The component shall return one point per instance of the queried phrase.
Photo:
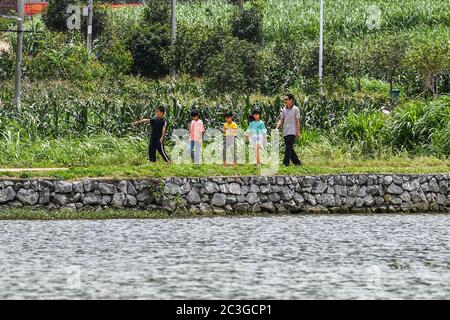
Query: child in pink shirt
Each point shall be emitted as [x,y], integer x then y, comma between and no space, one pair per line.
[196,131]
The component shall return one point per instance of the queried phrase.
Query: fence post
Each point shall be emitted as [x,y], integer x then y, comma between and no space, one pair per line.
[18,79]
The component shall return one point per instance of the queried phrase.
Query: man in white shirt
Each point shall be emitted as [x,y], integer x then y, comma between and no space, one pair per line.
[290,120]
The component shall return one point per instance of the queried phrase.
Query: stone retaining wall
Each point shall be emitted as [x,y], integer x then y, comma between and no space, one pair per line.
[280,194]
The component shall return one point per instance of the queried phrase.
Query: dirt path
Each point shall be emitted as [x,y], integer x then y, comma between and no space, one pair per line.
[31,169]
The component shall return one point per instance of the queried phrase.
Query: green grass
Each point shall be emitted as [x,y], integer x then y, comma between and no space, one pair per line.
[310,167]
[29,214]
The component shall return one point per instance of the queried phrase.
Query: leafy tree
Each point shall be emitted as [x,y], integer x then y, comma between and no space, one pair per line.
[149,46]
[387,56]
[429,57]
[237,68]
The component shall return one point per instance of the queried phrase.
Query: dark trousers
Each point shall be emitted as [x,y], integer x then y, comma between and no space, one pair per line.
[290,154]
[156,146]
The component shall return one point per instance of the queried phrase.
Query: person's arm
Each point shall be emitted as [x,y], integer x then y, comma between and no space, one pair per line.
[297,124]
[142,121]
[280,122]
[163,132]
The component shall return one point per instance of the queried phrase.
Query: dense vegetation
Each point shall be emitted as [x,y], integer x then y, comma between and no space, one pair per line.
[231,59]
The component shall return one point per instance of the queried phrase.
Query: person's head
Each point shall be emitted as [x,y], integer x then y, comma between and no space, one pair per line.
[228,117]
[288,100]
[160,111]
[256,114]
[195,115]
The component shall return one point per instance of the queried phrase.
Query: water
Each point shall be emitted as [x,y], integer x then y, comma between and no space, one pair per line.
[288,257]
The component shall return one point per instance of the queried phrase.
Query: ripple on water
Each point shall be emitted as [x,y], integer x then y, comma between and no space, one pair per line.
[283,257]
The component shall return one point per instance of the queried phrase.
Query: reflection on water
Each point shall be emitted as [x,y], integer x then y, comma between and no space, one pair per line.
[285,257]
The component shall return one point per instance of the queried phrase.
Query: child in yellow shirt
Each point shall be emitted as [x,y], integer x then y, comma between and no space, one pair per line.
[230,130]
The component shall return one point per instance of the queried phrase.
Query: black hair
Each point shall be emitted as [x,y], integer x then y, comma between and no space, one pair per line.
[161,109]
[290,96]
[255,111]
[228,115]
[194,113]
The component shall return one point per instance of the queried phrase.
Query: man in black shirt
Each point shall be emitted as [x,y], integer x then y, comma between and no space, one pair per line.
[159,127]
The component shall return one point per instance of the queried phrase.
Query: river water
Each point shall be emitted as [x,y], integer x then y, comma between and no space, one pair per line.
[282,257]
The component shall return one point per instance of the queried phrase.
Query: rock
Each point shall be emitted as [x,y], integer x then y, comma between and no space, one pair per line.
[252,198]
[264,189]
[421,207]
[350,202]
[254,188]
[205,208]
[281,209]
[63,187]
[321,187]
[185,188]
[170,188]
[387,197]
[231,199]
[89,185]
[359,202]
[396,200]
[378,200]
[211,187]
[374,190]
[341,190]
[7,194]
[131,200]
[434,186]
[91,198]
[244,190]
[394,189]
[362,192]
[123,187]
[223,188]
[326,200]
[106,200]
[69,207]
[44,197]
[388,180]
[310,199]
[274,197]
[28,196]
[143,196]
[368,200]
[298,199]
[78,187]
[268,207]
[290,205]
[405,197]
[77,197]
[441,199]
[256,208]
[234,188]
[309,182]
[219,200]
[61,199]
[193,197]
[242,207]
[417,197]
[280,181]
[397,180]
[412,185]
[119,200]
[106,188]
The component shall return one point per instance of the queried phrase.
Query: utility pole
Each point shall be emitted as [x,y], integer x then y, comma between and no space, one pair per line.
[321,48]
[89,25]
[174,31]
[18,79]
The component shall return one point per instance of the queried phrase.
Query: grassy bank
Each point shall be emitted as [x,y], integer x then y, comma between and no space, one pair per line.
[44,215]
[311,166]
